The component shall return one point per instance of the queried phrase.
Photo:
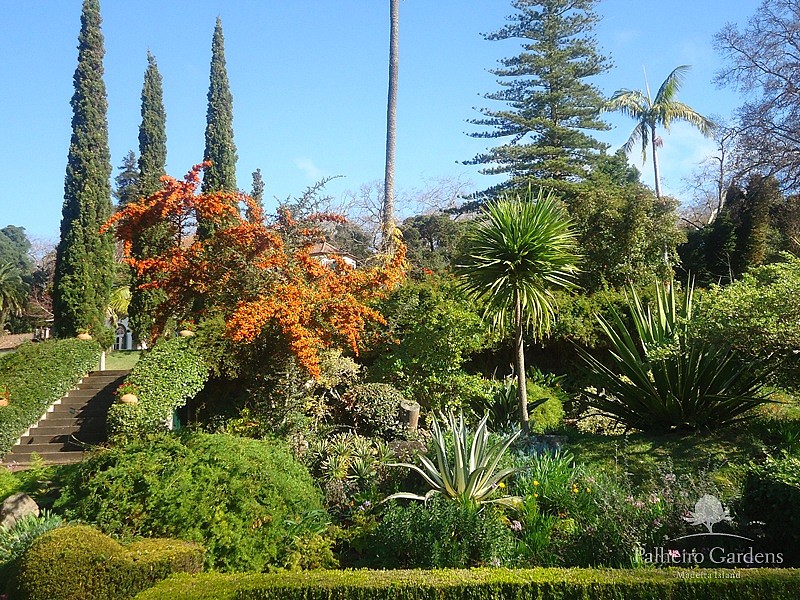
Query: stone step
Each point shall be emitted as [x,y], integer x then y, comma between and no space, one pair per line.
[76,422]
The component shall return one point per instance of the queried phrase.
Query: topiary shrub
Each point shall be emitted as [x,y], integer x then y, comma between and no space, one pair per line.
[35,376]
[166,377]
[80,562]
[236,496]
[374,409]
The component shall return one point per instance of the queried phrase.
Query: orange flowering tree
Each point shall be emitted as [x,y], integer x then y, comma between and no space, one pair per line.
[257,275]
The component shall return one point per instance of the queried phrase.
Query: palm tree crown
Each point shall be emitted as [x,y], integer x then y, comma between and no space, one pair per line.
[517,250]
[659,111]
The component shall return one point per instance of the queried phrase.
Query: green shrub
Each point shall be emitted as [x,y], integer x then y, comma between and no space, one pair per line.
[374,409]
[771,497]
[80,562]
[431,331]
[549,414]
[233,495]
[758,316]
[476,584]
[36,375]
[441,533]
[166,377]
[16,540]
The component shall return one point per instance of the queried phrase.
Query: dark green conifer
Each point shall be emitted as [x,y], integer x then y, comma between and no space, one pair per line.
[220,149]
[152,131]
[84,258]
[152,166]
[126,183]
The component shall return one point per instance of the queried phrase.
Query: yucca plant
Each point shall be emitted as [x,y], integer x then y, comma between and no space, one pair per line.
[661,378]
[471,475]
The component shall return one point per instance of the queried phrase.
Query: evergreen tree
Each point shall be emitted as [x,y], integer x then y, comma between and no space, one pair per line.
[220,149]
[126,183]
[152,131]
[84,258]
[257,190]
[154,240]
[550,106]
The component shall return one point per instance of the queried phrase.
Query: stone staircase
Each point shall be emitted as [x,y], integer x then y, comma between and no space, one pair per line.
[73,423]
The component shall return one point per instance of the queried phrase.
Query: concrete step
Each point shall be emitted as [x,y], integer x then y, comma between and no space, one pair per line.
[62,437]
[50,458]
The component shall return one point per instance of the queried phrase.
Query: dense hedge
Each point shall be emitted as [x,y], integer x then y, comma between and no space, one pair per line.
[166,377]
[246,501]
[36,375]
[78,561]
[478,584]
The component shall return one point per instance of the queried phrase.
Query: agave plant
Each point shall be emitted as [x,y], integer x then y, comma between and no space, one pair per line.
[472,474]
[661,378]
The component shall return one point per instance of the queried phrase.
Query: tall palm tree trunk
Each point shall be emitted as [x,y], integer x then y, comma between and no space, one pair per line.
[655,161]
[387,220]
[519,360]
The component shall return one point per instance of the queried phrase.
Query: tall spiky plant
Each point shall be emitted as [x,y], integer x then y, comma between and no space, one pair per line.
[660,378]
[517,251]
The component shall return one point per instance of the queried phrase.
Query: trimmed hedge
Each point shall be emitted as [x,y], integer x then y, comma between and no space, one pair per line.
[166,377]
[36,375]
[479,584]
[77,561]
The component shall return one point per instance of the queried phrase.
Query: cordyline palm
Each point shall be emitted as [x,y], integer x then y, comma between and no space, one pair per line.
[516,251]
[659,111]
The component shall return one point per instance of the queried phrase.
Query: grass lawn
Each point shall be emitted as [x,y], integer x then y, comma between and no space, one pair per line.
[122,359]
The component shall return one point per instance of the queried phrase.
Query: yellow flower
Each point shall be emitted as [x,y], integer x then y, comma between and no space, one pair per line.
[536,495]
[588,490]
[501,485]
[535,482]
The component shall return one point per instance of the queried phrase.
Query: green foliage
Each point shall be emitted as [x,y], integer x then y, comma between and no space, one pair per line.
[155,239]
[548,411]
[220,148]
[472,475]
[79,562]
[85,258]
[166,377]
[374,409]
[545,409]
[441,534]
[431,241]
[431,332]
[664,379]
[37,375]
[16,540]
[549,106]
[516,252]
[771,497]
[758,317]
[624,233]
[478,584]
[235,496]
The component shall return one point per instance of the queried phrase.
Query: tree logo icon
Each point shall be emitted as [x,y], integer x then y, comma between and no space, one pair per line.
[708,511]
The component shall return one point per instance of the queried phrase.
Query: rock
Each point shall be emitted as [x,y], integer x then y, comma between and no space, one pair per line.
[15,507]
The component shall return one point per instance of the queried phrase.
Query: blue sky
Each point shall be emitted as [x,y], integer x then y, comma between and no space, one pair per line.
[309,83]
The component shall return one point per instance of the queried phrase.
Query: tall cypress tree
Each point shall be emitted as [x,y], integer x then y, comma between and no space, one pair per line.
[550,106]
[152,166]
[84,258]
[220,149]
[152,131]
